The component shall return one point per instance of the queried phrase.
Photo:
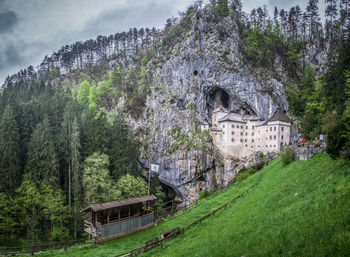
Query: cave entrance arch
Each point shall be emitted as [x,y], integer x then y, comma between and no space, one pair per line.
[218,97]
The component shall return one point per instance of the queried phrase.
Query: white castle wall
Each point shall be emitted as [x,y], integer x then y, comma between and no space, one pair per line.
[241,139]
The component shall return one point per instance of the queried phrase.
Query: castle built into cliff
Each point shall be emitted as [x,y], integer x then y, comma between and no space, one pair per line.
[239,135]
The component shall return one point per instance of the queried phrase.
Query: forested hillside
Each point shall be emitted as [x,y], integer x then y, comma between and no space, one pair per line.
[72,131]
[57,155]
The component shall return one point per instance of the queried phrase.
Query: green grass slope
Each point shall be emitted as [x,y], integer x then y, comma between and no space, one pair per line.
[302,209]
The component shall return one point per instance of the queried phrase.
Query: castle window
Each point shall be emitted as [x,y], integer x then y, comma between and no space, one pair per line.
[215,134]
[267,130]
[241,133]
[233,132]
[274,128]
[252,134]
[282,137]
[246,127]
[223,126]
[246,133]
[270,137]
[270,128]
[270,145]
[252,140]
[274,145]
[246,145]
[246,140]
[258,145]
[241,127]
[266,146]
[241,140]
[223,132]
[274,137]
[282,128]
[259,139]
[253,127]
[233,140]
[233,126]
[251,146]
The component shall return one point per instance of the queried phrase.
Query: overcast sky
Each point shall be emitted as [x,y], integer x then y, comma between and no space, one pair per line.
[31,29]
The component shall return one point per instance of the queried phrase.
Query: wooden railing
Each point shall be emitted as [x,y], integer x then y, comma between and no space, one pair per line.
[31,249]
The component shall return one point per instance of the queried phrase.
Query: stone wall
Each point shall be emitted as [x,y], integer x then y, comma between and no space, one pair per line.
[303,153]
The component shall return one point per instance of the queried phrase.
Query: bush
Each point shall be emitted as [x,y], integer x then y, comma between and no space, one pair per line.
[242,175]
[204,194]
[287,156]
[258,166]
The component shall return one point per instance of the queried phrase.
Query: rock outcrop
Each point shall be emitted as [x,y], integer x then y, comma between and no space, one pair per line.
[204,71]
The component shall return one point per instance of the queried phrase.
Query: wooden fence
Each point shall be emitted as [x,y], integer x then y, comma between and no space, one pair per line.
[177,231]
[31,249]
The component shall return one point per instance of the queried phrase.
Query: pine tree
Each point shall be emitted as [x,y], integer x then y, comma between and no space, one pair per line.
[275,16]
[42,162]
[10,167]
[122,149]
[76,171]
[236,7]
[331,14]
[314,19]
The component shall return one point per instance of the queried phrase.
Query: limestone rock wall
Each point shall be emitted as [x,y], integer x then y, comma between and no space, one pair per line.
[200,75]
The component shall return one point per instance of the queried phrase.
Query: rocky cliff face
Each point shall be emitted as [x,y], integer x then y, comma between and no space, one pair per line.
[204,71]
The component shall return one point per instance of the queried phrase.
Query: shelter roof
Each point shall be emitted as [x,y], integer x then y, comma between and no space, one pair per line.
[114,204]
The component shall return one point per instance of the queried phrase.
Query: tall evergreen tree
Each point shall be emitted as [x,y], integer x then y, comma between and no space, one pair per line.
[42,162]
[314,19]
[10,167]
[331,14]
[76,171]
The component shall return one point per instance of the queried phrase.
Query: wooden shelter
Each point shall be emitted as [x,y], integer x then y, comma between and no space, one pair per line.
[118,218]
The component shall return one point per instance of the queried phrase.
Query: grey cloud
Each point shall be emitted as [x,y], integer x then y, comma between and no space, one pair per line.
[11,56]
[7,21]
[282,3]
[112,21]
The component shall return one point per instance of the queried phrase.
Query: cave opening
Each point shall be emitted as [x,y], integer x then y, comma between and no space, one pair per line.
[218,97]
[225,99]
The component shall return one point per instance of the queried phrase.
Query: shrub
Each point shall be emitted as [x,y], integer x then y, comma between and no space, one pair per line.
[204,194]
[242,175]
[258,166]
[287,156]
